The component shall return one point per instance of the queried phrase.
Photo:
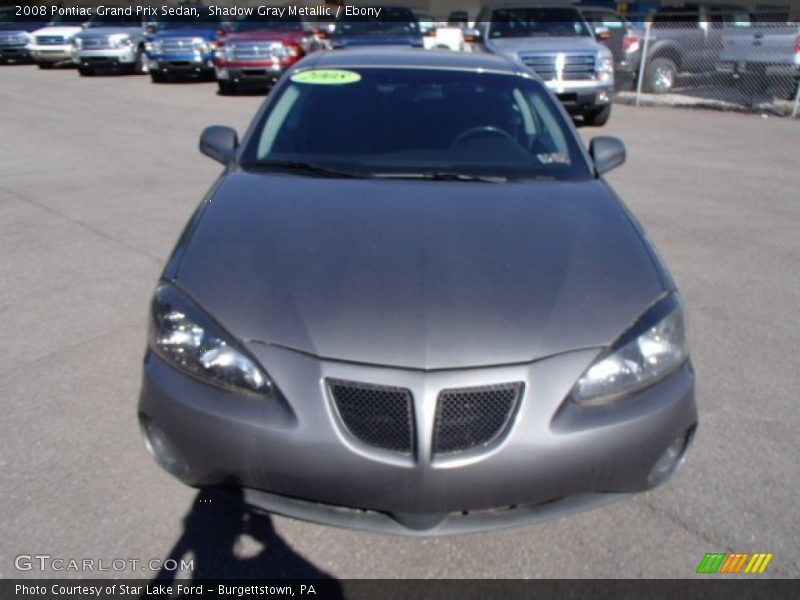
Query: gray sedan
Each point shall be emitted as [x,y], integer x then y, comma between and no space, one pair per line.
[411,303]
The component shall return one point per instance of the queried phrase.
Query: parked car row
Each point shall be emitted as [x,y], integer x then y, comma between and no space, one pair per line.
[578,61]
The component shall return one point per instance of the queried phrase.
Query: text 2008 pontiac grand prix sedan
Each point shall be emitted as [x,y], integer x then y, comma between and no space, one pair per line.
[412,304]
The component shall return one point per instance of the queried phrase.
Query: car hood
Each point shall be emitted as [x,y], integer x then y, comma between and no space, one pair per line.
[108,31]
[264,34]
[512,46]
[62,31]
[377,39]
[420,275]
[188,32]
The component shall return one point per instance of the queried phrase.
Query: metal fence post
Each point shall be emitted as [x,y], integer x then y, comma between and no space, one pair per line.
[643,61]
[796,108]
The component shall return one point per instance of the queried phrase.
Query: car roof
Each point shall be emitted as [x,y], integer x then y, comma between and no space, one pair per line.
[413,58]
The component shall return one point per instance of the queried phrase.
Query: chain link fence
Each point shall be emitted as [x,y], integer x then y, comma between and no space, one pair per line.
[725,60]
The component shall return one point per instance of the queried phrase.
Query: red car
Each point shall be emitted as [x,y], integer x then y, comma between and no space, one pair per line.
[256,50]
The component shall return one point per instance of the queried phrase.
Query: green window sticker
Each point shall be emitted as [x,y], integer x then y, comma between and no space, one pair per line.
[326,77]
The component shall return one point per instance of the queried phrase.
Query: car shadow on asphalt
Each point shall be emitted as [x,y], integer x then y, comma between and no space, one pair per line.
[226,540]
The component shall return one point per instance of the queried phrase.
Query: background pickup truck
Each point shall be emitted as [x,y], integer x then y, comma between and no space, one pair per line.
[396,26]
[15,35]
[686,38]
[111,43]
[52,45]
[258,50]
[762,48]
[556,43]
[182,46]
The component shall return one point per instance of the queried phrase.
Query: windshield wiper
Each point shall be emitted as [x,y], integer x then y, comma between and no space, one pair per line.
[295,165]
[444,176]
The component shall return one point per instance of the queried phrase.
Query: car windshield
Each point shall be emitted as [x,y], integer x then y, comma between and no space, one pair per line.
[256,22]
[69,19]
[533,22]
[392,21]
[187,21]
[114,21]
[425,123]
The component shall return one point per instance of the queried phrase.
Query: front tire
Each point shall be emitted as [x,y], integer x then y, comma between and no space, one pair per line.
[157,77]
[597,117]
[660,75]
[44,65]
[226,88]
[85,71]
[140,64]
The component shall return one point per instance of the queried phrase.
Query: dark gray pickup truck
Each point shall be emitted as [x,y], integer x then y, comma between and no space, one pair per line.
[686,38]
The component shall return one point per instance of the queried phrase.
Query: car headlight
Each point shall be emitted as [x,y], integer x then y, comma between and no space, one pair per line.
[77,43]
[652,348]
[606,68]
[200,46]
[121,40]
[153,47]
[189,339]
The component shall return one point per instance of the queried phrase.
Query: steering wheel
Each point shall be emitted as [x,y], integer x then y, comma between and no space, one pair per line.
[481,129]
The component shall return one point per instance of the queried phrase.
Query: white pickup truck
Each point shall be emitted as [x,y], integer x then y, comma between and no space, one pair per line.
[762,48]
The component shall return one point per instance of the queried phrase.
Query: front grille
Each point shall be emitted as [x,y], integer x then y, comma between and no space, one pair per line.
[377,415]
[576,67]
[256,50]
[50,40]
[176,46]
[96,43]
[14,39]
[468,418]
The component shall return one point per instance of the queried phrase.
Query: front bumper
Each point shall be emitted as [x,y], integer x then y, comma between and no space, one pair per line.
[188,64]
[15,53]
[52,54]
[252,75]
[579,96]
[105,59]
[294,457]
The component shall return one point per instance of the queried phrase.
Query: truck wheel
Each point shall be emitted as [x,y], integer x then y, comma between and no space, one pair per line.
[157,77]
[659,75]
[597,117]
[226,88]
[140,65]
[85,71]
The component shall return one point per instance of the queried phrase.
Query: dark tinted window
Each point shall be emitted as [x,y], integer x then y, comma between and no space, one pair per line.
[412,121]
[255,22]
[392,20]
[530,22]
[186,21]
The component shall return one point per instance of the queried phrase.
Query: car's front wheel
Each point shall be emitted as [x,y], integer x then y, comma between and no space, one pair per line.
[597,117]
[140,64]
[226,88]
[157,77]
[85,71]
[660,75]
[45,65]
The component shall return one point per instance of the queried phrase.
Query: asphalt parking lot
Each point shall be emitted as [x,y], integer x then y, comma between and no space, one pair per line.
[98,177]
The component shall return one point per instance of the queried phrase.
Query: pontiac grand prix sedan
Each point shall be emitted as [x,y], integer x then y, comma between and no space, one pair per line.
[412,304]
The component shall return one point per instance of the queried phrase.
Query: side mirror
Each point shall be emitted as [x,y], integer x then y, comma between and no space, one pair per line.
[219,143]
[473,36]
[602,33]
[607,153]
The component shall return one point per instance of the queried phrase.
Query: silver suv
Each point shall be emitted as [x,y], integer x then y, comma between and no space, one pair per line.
[111,43]
[558,44]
